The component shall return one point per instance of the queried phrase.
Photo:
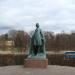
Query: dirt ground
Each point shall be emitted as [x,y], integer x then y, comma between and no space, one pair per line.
[51,70]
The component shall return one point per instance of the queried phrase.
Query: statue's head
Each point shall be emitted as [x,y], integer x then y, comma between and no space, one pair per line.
[37,25]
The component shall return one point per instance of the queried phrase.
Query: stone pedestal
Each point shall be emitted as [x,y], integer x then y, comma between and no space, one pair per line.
[35,63]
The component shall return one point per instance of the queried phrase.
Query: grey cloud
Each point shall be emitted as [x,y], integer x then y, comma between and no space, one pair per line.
[51,14]
[6,27]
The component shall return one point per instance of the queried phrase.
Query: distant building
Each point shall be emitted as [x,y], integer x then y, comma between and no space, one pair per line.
[9,43]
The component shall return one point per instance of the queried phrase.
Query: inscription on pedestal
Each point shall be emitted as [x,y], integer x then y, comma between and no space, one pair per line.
[35,63]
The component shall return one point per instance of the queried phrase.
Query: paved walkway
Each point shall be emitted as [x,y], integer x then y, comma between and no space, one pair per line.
[51,70]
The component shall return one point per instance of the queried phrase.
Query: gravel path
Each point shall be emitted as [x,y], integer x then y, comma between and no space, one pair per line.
[51,70]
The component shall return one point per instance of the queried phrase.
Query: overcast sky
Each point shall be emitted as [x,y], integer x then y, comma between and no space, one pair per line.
[52,15]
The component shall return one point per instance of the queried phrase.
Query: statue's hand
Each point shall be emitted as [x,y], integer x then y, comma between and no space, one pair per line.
[42,41]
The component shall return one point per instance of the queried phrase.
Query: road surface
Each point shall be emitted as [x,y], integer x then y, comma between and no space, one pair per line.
[51,70]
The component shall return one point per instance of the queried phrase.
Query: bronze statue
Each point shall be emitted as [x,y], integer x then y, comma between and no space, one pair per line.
[37,44]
